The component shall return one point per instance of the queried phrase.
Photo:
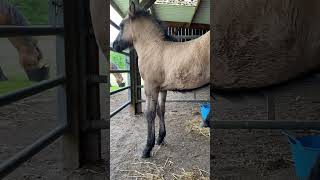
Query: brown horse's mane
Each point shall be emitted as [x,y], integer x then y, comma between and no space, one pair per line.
[16,18]
[158,23]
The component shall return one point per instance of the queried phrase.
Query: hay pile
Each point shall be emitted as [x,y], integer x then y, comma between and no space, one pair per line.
[151,171]
[193,126]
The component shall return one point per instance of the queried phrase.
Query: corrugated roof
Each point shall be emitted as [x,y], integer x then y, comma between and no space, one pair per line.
[185,11]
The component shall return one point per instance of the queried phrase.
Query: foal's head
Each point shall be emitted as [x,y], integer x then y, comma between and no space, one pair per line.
[138,24]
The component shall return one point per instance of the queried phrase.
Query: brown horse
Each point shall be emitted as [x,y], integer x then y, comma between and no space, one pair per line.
[29,51]
[164,65]
[30,54]
[118,76]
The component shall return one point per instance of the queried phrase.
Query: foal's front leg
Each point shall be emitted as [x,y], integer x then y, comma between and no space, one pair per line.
[160,111]
[150,112]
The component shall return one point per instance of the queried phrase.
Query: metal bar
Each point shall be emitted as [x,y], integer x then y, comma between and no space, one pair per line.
[119,90]
[26,92]
[141,86]
[120,108]
[6,31]
[124,53]
[271,107]
[119,71]
[14,162]
[186,36]
[178,100]
[265,124]
[114,25]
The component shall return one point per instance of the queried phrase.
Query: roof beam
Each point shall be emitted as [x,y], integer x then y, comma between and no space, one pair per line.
[153,11]
[116,7]
[195,12]
[146,4]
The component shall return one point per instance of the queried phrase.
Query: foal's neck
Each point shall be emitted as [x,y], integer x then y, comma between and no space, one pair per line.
[148,44]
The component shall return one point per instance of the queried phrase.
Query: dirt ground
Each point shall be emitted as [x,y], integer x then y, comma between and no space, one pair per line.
[186,150]
[261,154]
[23,122]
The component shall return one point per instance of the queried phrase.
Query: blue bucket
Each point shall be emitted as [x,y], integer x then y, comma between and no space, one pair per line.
[305,151]
[204,109]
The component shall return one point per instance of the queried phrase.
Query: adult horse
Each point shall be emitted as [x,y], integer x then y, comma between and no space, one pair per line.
[30,54]
[164,65]
[258,44]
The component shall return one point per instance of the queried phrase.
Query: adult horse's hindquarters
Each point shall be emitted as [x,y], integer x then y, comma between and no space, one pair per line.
[258,43]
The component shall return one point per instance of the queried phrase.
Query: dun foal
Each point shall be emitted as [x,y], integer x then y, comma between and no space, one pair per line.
[164,65]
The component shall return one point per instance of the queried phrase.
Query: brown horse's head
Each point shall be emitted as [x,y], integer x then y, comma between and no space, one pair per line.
[30,55]
[32,61]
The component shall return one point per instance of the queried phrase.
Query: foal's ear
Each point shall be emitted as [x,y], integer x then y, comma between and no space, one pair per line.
[132,9]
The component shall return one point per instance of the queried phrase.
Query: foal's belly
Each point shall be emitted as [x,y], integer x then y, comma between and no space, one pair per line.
[185,81]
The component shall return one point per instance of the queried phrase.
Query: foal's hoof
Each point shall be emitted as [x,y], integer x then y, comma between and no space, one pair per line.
[160,141]
[146,154]
[38,74]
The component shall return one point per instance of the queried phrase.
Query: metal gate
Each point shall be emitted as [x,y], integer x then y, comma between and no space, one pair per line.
[78,87]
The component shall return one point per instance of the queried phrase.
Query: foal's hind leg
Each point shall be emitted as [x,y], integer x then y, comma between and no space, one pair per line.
[150,112]
[160,111]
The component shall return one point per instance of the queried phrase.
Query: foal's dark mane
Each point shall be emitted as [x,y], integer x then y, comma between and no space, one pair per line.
[158,23]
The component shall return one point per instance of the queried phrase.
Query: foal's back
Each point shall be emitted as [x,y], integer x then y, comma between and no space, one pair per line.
[186,64]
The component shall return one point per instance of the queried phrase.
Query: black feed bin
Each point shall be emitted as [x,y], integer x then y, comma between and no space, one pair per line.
[38,74]
[3,77]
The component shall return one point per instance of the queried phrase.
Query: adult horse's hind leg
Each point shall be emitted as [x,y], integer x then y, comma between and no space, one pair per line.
[160,111]
[150,112]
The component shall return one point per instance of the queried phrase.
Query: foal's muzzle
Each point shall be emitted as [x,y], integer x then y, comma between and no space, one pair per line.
[116,46]
[120,45]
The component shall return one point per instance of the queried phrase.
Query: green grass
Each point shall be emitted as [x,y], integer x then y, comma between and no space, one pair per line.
[13,85]
[35,11]
[118,59]
[113,88]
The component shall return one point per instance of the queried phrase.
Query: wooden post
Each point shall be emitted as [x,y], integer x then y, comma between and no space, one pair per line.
[135,80]
[78,101]
[68,97]
[133,84]
[271,107]
[91,139]
[138,109]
